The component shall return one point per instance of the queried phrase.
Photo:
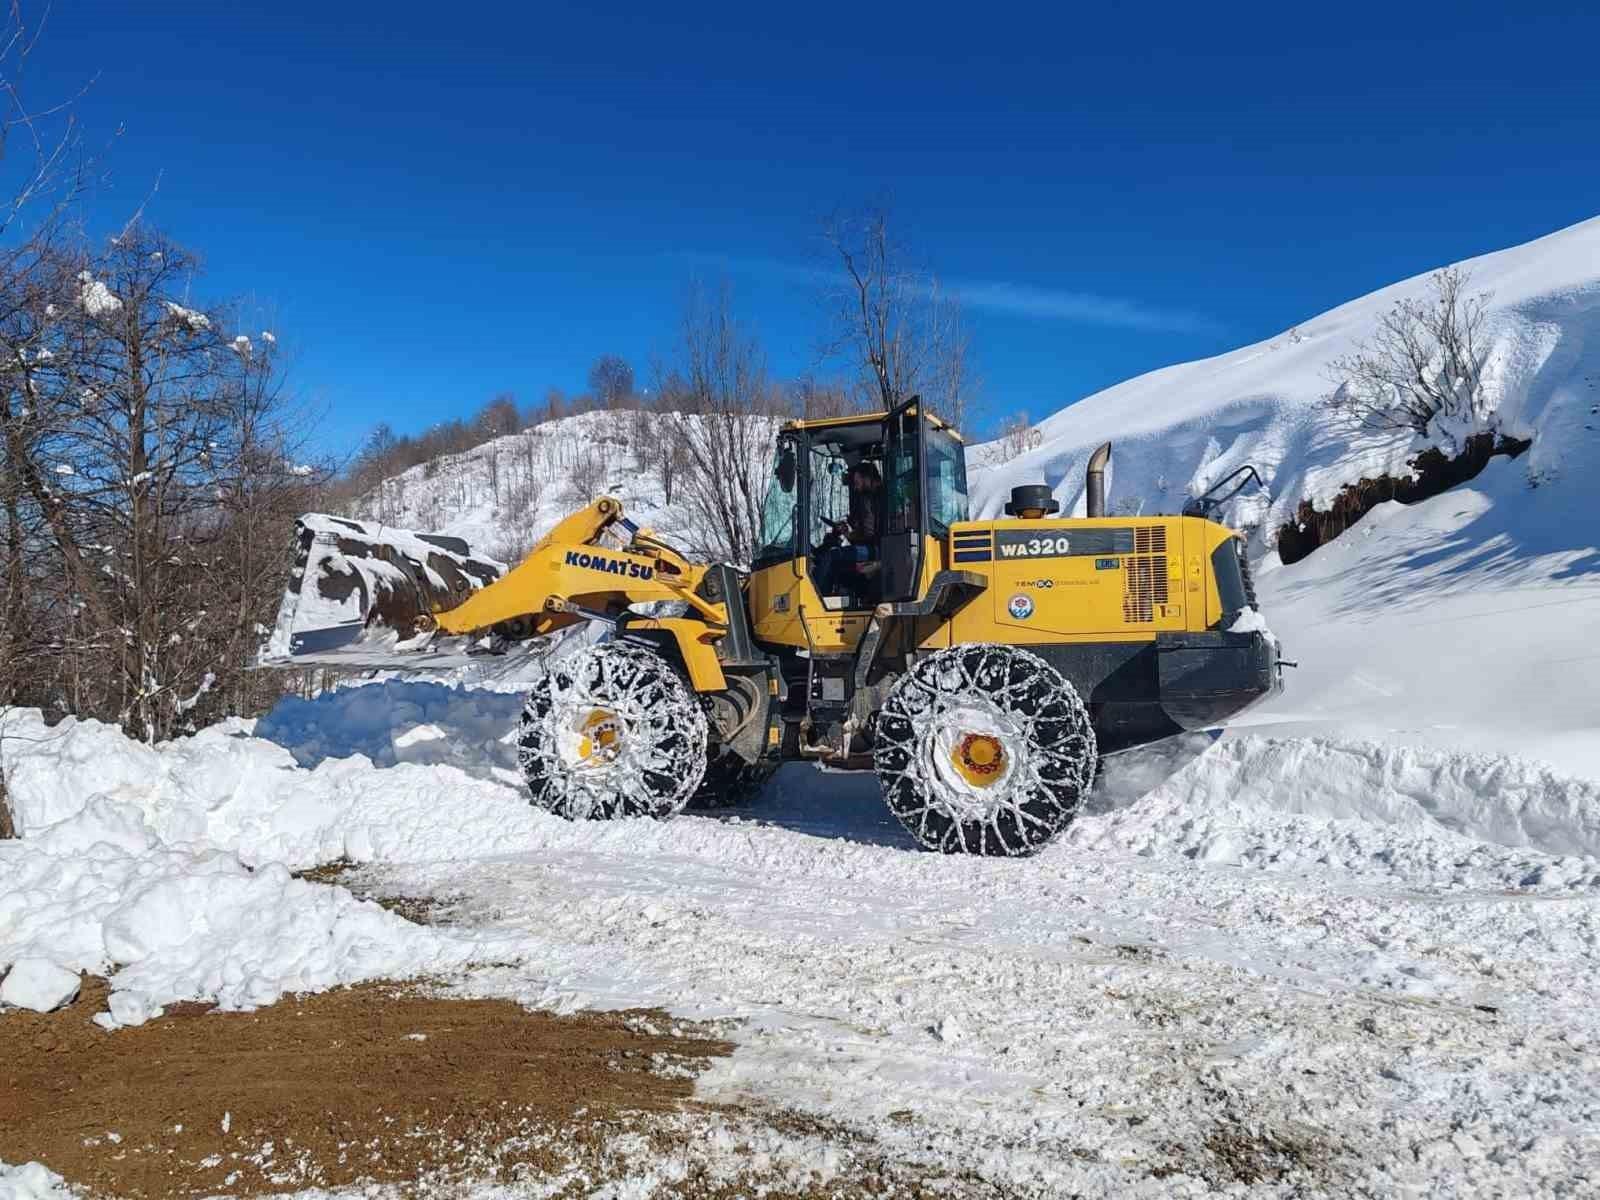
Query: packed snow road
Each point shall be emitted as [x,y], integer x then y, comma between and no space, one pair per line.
[1293,967]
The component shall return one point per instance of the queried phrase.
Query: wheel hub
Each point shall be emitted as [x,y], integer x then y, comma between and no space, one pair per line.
[980,758]
[973,755]
[599,737]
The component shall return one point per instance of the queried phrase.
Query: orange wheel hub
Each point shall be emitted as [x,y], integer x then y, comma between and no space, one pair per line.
[980,758]
[600,736]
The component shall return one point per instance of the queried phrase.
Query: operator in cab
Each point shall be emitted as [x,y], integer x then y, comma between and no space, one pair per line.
[850,551]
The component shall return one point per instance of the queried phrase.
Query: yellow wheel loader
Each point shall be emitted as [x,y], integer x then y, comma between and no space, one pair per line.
[980,667]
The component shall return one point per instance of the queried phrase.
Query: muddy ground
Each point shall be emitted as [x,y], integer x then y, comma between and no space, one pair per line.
[384,1084]
[367,1083]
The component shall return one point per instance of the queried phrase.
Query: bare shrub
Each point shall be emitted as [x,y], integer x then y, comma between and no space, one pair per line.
[1423,365]
[1016,437]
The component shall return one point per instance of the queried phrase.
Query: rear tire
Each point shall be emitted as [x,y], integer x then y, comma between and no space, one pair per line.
[984,750]
[612,731]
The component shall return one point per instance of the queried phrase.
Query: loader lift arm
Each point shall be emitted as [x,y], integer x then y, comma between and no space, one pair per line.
[569,571]
[363,596]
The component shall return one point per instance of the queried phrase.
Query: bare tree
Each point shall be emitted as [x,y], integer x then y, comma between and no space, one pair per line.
[721,412]
[1423,365]
[152,452]
[903,334]
[611,381]
[499,417]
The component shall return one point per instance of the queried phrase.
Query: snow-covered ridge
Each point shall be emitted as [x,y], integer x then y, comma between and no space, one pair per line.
[503,495]
[1179,430]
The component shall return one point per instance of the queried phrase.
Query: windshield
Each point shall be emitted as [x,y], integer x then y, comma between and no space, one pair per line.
[947,481]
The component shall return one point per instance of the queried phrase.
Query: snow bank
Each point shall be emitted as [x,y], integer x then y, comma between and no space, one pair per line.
[1363,808]
[1466,622]
[32,1181]
[166,868]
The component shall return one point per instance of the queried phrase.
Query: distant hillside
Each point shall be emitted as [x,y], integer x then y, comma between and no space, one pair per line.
[503,495]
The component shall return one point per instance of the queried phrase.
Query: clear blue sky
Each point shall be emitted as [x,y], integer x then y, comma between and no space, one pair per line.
[434,203]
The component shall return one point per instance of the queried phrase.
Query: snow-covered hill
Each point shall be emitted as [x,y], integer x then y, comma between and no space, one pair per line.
[1180,429]
[504,494]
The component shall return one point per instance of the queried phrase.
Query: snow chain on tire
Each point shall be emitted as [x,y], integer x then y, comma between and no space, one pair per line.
[612,731]
[984,750]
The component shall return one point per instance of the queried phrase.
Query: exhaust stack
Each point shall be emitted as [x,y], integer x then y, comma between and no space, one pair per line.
[1095,482]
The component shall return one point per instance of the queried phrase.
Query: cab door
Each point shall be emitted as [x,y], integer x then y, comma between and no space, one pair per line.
[904,493]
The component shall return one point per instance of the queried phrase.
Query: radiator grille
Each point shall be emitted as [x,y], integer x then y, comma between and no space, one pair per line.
[1144,575]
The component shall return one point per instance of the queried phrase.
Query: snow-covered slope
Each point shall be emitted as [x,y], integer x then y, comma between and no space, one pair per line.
[503,495]
[1180,429]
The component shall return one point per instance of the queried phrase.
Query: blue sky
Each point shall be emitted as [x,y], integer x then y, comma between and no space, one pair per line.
[433,205]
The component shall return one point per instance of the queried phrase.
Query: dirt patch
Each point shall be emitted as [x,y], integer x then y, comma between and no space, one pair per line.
[1246,1156]
[1432,474]
[419,910]
[367,1083]
[329,872]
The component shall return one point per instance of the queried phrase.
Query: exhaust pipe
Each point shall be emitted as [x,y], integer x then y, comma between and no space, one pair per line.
[1095,482]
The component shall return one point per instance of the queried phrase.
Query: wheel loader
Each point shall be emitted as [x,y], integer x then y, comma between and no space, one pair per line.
[981,668]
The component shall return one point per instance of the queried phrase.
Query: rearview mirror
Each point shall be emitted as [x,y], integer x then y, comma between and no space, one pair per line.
[786,468]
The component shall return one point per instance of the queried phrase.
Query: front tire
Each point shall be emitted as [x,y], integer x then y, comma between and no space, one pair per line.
[612,731]
[984,750]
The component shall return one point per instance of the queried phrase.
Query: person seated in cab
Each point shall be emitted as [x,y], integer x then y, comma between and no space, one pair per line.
[849,553]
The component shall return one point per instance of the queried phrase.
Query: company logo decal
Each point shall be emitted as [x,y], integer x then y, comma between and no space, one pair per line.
[612,566]
[1020,607]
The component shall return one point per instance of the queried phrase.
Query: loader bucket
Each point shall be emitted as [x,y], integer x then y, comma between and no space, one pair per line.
[357,590]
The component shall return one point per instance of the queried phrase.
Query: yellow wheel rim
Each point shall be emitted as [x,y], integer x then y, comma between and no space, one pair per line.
[600,736]
[980,758]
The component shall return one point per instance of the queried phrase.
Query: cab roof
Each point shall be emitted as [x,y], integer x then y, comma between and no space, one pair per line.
[865,419]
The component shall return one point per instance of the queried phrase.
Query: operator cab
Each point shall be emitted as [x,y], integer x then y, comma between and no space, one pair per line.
[854,497]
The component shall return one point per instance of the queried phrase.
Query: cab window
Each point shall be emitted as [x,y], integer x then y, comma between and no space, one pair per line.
[947,481]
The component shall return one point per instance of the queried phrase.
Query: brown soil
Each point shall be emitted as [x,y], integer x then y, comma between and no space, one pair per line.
[367,1083]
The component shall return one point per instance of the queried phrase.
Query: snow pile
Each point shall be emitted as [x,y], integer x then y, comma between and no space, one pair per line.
[31,1181]
[165,869]
[1366,808]
[39,984]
